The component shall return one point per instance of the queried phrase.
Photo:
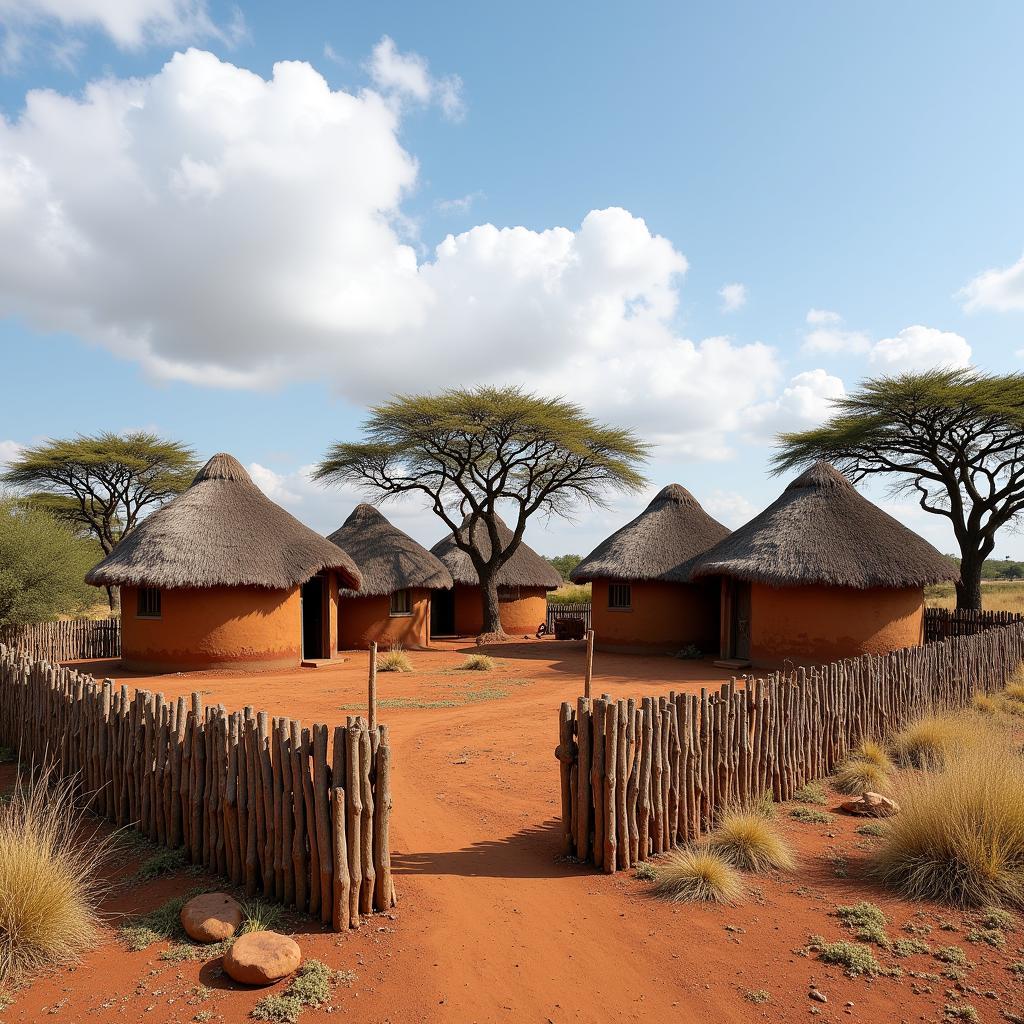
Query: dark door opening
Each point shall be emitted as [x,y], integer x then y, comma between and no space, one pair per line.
[442,613]
[313,592]
[739,620]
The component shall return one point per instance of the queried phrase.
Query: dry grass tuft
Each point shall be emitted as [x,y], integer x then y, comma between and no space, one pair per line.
[1015,692]
[857,777]
[873,753]
[477,663]
[395,660]
[749,841]
[929,742]
[48,880]
[960,835]
[698,875]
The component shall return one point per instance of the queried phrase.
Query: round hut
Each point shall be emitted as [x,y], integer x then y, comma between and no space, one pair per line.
[821,574]
[399,576]
[642,597]
[523,583]
[222,578]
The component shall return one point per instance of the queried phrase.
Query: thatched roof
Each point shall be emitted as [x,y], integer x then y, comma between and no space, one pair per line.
[524,569]
[659,544]
[388,559]
[222,532]
[822,531]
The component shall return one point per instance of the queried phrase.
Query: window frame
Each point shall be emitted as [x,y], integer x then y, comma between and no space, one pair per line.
[142,606]
[619,589]
[400,613]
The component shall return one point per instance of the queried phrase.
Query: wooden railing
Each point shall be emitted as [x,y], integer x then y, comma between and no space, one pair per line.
[576,610]
[71,640]
[942,623]
[640,779]
[268,804]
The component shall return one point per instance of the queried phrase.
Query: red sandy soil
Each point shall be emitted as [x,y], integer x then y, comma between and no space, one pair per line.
[491,925]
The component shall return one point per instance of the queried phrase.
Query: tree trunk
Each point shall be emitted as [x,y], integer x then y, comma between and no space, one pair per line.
[114,599]
[968,590]
[491,606]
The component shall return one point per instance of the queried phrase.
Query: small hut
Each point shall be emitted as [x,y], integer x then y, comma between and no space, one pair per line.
[642,598]
[523,583]
[821,574]
[222,578]
[399,577]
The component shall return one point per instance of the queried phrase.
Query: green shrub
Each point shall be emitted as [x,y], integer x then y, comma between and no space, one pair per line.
[312,986]
[812,793]
[855,958]
[811,816]
[867,921]
[645,871]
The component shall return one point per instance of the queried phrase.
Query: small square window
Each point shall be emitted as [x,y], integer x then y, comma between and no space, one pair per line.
[400,603]
[508,594]
[620,596]
[149,603]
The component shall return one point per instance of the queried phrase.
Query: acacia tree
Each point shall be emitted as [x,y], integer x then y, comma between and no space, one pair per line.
[102,485]
[952,438]
[470,450]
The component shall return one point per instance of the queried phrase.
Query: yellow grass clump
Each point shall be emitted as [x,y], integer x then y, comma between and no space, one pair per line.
[477,663]
[960,835]
[394,661]
[874,753]
[698,875]
[857,777]
[48,880]
[748,840]
[928,742]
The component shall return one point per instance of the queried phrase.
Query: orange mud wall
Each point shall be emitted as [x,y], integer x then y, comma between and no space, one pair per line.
[362,619]
[663,617]
[213,628]
[819,623]
[522,615]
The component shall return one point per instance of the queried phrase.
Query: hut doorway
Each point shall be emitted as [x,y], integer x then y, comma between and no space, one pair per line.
[737,620]
[314,597]
[442,613]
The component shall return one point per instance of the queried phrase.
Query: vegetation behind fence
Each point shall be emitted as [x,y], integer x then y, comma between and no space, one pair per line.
[640,780]
[70,640]
[252,798]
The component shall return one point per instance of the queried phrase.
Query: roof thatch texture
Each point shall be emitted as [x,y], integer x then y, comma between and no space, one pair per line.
[222,532]
[388,559]
[820,530]
[659,544]
[524,569]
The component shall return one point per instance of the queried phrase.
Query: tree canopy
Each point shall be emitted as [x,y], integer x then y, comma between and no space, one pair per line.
[565,564]
[471,452]
[954,439]
[42,566]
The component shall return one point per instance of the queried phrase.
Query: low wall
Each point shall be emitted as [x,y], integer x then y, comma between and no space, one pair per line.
[262,801]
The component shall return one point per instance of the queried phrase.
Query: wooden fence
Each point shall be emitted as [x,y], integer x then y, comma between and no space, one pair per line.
[73,640]
[576,610]
[638,780]
[942,623]
[264,802]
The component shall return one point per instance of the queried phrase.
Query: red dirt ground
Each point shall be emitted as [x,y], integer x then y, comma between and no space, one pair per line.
[491,926]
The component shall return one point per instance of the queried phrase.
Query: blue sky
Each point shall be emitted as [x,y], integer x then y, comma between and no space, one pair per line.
[243,258]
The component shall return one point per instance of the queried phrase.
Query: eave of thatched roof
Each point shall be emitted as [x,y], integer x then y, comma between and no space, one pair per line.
[222,532]
[659,544]
[387,558]
[524,569]
[820,530]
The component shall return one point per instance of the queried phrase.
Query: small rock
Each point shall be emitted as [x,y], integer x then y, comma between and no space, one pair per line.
[818,996]
[871,805]
[261,958]
[211,917]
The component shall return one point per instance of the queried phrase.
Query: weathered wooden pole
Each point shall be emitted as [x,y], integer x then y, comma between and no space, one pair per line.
[372,699]
[589,670]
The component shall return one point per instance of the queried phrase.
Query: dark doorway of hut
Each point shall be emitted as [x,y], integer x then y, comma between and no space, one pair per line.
[314,597]
[735,621]
[442,613]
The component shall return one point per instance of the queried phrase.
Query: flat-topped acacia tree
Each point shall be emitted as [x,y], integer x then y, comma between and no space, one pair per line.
[952,438]
[470,451]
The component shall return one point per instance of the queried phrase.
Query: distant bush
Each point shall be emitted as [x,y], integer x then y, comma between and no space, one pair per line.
[571,593]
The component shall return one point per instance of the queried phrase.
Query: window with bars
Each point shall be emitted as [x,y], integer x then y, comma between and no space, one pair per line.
[508,594]
[149,603]
[620,596]
[400,603]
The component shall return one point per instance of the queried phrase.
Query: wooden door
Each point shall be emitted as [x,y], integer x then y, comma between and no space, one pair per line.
[740,631]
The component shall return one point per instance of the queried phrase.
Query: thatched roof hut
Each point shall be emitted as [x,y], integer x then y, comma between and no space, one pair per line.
[659,544]
[821,531]
[388,559]
[524,569]
[222,532]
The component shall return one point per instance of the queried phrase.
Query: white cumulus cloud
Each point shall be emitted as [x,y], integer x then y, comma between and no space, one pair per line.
[919,348]
[9,451]
[806,401]
[234,231]
[827,334]
[733,296]
[407,76]
[999,289]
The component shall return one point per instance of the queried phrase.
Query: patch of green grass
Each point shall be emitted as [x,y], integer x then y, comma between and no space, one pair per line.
[165,862]
[909,947]
[1016,969]
[260,916]
[871,828]
[203,1016]
[810,816]
[960,1011]
[990,936]
[812,793]
[391,703]
[952,955]
[867,921]
[488,693]
[312,986]
[854,957]
[645,871]
[158,925]
[996,917]
[195,952]
[759,996]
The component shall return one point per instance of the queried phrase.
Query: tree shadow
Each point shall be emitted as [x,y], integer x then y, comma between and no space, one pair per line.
[532,852]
